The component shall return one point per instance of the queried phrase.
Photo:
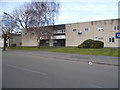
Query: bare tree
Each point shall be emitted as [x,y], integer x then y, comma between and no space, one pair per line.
[7,24]
[48,12]
[37,14]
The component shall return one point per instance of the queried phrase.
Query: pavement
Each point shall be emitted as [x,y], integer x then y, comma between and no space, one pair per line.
[38,69]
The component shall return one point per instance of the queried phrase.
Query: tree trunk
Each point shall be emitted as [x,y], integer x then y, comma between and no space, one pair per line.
[9,42]
[5,39]
[39,43]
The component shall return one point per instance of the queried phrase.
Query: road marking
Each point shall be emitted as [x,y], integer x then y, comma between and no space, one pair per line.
[95,86]
[25,69]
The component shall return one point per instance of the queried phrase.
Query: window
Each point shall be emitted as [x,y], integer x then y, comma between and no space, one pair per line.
[86,29]
[96,38]
[101,28]
[59,31]
[116,27]
[55,31]
[63,31]
[109,39]
[55,41]
[112,39]
[100,38]
[74,30]
[33,33]
[47,41]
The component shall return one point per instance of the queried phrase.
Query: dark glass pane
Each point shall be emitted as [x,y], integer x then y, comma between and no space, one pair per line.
[74,30]
[113,40]
[109,39]
[114,27]
[117,27]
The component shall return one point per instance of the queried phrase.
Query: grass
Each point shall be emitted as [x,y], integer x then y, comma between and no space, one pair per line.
[31,48]
[103,51]
[74,50]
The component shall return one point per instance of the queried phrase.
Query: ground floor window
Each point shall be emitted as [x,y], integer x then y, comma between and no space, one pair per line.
[59,42]
[109,39]
[112,39]
[44,42]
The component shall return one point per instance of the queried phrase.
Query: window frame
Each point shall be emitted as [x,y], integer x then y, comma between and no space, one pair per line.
[111,40]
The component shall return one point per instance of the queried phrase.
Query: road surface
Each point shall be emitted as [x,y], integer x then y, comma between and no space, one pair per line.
[37,69]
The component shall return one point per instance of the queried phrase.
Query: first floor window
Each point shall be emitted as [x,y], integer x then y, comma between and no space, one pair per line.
[116,28]
[74,30]
[86,29]
[101,28]
[63,31]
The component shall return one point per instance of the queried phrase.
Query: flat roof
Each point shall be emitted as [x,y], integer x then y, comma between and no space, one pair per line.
[94,21]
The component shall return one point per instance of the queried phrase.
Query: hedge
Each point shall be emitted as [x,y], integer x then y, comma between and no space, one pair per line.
[89,43]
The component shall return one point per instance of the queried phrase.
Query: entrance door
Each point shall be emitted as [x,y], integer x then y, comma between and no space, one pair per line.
[59,43]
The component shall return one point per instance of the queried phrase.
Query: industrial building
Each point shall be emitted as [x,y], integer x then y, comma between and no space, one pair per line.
[74,34]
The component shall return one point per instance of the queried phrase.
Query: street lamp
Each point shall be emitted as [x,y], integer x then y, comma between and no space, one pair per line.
[7,14]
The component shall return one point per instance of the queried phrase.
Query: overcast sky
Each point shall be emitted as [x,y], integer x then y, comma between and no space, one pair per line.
[73,11]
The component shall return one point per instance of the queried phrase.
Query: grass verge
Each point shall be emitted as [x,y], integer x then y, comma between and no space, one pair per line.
[74,50]
[31,48]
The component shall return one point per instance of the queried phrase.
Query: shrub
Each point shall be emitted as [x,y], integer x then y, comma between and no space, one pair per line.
[13,45]
[89,43]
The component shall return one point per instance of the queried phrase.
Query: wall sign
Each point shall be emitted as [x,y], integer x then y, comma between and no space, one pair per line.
[80,32]
[118,35]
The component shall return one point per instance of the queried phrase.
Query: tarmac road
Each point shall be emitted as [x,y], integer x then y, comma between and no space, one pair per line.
[37,69]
